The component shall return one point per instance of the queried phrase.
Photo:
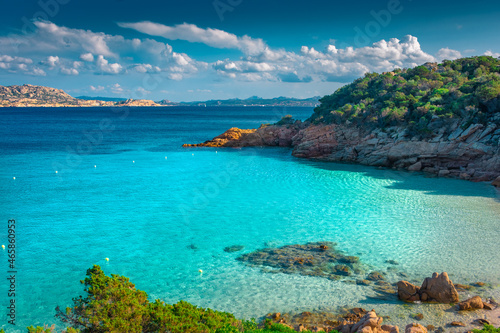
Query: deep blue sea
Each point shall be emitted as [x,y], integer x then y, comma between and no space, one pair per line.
[88,184]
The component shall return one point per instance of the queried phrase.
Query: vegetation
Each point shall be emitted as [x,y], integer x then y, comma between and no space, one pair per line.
[113,304]
[465,89]
[488,329]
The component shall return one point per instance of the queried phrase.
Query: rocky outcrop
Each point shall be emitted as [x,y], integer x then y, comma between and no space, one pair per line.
[456,151]
[437,288]
[264,136]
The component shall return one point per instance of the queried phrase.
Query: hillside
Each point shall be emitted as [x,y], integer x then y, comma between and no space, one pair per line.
[30,94]
[443,119]
[425,98]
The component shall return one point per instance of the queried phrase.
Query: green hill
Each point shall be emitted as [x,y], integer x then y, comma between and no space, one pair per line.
[465,89]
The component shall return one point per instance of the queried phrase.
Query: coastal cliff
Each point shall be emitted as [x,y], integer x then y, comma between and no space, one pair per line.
[442,119]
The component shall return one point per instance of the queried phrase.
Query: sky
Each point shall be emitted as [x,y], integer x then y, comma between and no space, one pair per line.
[187,50]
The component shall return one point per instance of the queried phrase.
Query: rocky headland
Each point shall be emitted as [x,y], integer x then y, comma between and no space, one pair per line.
[435,118]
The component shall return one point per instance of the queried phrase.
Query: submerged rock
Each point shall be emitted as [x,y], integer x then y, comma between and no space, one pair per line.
[375,276]
[415,328]
[312,259]
[234,248]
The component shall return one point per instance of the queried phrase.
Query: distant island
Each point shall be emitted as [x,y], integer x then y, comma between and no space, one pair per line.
[38,96]
[442,119]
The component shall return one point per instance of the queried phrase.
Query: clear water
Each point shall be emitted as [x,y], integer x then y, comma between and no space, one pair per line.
[140,199]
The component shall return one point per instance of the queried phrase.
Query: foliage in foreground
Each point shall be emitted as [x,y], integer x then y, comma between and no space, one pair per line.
[488,329]
[113,304]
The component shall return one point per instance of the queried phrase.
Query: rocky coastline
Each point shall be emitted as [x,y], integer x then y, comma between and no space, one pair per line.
[457,150]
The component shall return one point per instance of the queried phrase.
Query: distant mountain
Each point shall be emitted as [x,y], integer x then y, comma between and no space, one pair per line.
[106,99]
[258,101]
[29,95]
[34,94]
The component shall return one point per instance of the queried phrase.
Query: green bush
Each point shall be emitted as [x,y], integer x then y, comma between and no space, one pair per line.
[487,329]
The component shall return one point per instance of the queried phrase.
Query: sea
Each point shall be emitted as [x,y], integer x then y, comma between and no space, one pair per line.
[114,187]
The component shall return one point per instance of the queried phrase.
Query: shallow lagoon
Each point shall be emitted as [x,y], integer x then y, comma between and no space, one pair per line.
[141,200]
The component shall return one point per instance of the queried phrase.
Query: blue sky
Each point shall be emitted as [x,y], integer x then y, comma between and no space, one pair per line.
[207,49]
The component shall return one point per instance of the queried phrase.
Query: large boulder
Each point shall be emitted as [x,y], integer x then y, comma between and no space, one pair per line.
[408,292]
[437,288]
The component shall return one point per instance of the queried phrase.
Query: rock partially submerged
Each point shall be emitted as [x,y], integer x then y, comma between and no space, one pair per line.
[234,248]
[437,288]
[475,303]
[312,259]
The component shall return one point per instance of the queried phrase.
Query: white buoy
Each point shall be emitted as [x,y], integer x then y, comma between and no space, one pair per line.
[3,247]
[192,154]
[216,151]
[57,171]
[165,157]
[14,178]
[95,166]
[107,259]
[133,161]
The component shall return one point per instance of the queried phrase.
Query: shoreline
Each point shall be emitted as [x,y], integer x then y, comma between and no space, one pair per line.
[464,154]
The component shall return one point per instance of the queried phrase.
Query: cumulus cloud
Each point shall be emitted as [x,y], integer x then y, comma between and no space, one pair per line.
[98,88]
[192,33]
[52,61]
[59,47]
[87,57]
[146,68]
[448,54]
[117,89]
[106,68]
[69,71]
[492,54]
[332,64]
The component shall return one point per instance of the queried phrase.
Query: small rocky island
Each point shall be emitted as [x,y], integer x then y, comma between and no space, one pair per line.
[442,119]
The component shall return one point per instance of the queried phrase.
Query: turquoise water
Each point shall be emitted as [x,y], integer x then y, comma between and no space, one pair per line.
[136,197]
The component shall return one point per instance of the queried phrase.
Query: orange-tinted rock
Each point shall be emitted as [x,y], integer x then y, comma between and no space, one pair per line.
[473,303]
[408,292]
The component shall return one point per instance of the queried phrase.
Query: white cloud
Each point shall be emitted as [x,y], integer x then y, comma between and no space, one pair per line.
[117,89]
[141,91]
[147,68]
[69,71]
[492,54]
[333,64]
[89,57]
[191,33]
[448,54]
[105,67]
[98,88]
[52,61]
[96,52]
